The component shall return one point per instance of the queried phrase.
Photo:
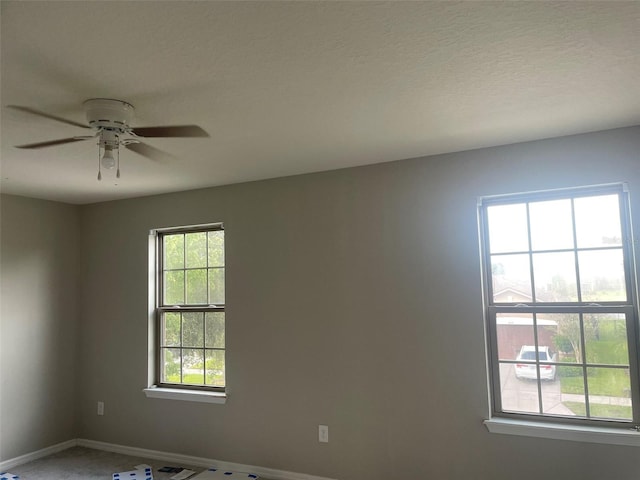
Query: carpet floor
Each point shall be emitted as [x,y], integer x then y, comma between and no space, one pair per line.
[81,463]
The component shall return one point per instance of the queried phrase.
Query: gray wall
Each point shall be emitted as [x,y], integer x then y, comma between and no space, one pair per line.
[354,301]
[38,324]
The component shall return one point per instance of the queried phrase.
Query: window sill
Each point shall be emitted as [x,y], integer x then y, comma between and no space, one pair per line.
[186,395]
[557,431]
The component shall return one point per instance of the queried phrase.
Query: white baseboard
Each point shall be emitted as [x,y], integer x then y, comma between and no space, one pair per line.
[269,473]
[28,457]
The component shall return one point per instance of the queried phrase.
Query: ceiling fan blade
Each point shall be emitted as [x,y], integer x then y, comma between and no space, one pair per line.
[148,151]
[52,143]
[47,115]
[171,131]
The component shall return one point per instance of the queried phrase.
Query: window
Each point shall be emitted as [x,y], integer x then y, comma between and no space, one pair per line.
[560,306]
[190,307]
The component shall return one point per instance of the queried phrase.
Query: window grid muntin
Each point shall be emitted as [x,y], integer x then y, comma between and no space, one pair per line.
[629,313]
[181,308]
[163,271]
[527,199]
[162,346]
[576,253]
[583,364]
[629,306]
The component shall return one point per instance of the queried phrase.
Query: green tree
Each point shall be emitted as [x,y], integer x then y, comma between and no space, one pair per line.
[194,268]
[569,329]
[171,365]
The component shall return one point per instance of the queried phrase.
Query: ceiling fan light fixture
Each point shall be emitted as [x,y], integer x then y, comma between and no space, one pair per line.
[108,162]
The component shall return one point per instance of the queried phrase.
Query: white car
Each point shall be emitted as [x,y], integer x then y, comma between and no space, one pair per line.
[529,370]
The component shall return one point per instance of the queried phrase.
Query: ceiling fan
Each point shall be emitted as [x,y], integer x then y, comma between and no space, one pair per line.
[111,120]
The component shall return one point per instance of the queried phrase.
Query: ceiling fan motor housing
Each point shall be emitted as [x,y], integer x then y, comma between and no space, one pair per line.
[108,114]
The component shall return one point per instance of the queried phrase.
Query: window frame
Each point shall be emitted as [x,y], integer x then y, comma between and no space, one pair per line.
[160,308]
[491,308]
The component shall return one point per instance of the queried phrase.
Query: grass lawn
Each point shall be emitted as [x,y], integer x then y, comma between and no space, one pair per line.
[600,411]
[601,381]
[196,379]
[610,347]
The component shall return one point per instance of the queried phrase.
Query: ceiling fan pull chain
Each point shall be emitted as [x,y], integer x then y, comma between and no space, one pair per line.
[99,170]
[118,171]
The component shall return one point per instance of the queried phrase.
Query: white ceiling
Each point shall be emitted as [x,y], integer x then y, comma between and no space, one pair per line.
[285,88]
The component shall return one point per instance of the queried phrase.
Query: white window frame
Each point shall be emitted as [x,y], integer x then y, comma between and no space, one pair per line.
[157,388]
[553,426]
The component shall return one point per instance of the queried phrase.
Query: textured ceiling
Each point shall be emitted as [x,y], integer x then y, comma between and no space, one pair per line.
[291,87]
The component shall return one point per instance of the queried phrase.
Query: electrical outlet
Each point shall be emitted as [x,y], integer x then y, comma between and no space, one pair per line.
[100,408]
[323,433]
